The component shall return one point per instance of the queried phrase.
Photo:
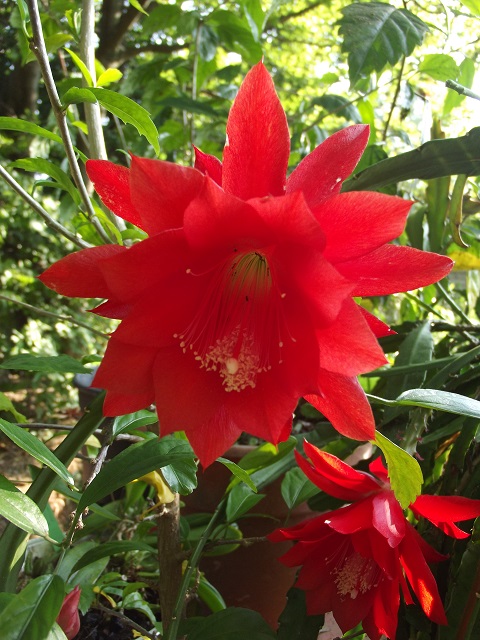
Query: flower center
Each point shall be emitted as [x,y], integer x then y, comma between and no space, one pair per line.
[356,575]
[237,328]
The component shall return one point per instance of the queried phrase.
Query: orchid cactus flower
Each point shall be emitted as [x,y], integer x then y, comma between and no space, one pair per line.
[355,561]
[241,299]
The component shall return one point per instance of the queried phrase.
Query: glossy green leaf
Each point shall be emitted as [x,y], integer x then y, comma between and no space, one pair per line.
[404,471]
[81,66]
[56,633]
[240,500]
[296,488]
[40,165]
[36,448]
[136,5]
[124,108]
[110,549]
[233,623]
[21,510]
[136,461]
[441,401]
[7,405]
[294,623]
[131,421]
[239,473]
[181,476]
[15,124]
[33,611]
[376,34]
[255,17]
[210,595]
[109,76]
[45,364]
[465,78]
[439,66]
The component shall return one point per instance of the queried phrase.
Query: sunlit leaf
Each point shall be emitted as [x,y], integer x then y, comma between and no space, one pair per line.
[404,471]
[45,364]
[21,510]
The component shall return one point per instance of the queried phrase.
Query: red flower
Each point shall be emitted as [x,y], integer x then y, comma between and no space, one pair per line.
[68,618]
[356,560]
[240,301]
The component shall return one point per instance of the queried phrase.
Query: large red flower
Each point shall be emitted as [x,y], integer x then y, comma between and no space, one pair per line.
[356,560]
[240,301]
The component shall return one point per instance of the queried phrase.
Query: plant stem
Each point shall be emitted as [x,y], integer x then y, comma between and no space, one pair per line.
[171,633]
[459,88]
[447,297]
[170,565]
[56,316]
[395,98]
[50,222]
[38,47]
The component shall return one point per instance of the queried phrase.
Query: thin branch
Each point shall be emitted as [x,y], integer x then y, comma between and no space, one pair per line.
[395,98]
[152,635]
[50,222]
[38,47]
[55,316]
[463,91]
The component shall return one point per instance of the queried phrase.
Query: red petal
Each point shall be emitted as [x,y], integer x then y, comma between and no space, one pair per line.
[321,173]
[146,264]
[208,165]
[388,518]
[382,618]
[379,328]
[112,309]
[343,402]
[289,219]
[421,579]
[354,517]
[214,437]
[379,469]
[217,219]
[358,222]
[161,191]
[79,274]
[112,183]
[255,158]
[118,404]
[429,553]
[126,370]
[392,269]
[330,468]
[347,346]
[443,511]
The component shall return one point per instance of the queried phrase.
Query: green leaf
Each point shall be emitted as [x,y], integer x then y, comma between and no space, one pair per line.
[124,108]
[473,6]
[404,471]
[110,549]
[338,106]
[45,364]
[181,476]
[294,623]
[40,165]
[81,66]
[240,500]
[33,611]
[465,78]
[207,43]
[441,401]
[255,17]
[138,460]
[136,5]
[184,103]
[376,34]
[36,448]
[21,510]
[210,595]
[233,623]
[235,34]
[109,76]
[7,405]
[296,488]
[439,66]
[131,421]
[56,633]
[15,124]
[239,473]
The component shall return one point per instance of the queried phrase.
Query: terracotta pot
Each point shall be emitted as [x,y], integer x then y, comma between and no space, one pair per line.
[249,577]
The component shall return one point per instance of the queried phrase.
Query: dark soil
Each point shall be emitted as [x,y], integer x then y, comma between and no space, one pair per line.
[97,625]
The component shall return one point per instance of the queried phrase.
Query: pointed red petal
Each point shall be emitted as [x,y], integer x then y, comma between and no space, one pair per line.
[388,518]
[321,173]
[256,155]
[343,402]
[358,222]
[145,264]
[383,616]
[347,346]
[79,274]
[217,219]
[161,191]
[443,511]
[379,328]
[421,579]
[392,269]
[355,517]
[379,469]
[208,165]
[214,437]
[337,472]
[112,183]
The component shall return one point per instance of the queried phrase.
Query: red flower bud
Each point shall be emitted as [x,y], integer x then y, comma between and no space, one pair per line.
[68,618]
